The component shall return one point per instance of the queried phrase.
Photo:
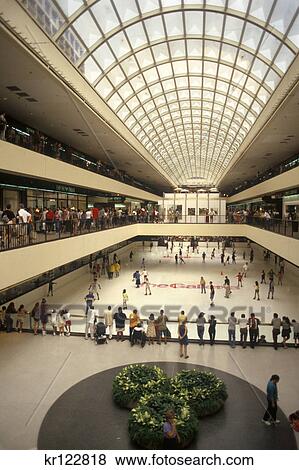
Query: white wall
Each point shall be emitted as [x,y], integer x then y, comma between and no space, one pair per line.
[25,162]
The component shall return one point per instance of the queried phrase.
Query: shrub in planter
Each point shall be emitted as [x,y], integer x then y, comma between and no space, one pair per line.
[147,418]
[136,380]
[206,393]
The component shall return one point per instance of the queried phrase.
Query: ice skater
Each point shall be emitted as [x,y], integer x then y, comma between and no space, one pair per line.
[256,291]
[147,286]
[94,288]
[212,294]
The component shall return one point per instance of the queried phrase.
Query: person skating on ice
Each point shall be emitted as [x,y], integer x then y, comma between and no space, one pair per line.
[212,294]
[263,277]
[256,291]
[136,277]
[202,283]
[147,286]
[239,277]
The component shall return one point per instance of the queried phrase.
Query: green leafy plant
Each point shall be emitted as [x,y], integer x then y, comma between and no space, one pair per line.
[206,392]
[149,393]
[147,418]
[136,380]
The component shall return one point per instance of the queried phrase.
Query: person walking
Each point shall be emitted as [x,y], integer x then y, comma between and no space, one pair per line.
[276,325]
[212,294]
[286,331]
[201,327]
[108,320]
[256,291]
[183,339]
[125,299]
[272,398]
[212,329]
[243,330]
[232,321]
[271,290]
[202,284]
[147,286]
[253,329]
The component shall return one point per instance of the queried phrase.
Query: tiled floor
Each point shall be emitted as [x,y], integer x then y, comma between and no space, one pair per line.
[35,371]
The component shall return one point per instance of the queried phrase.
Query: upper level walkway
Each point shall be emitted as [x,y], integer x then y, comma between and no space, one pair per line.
[19,235]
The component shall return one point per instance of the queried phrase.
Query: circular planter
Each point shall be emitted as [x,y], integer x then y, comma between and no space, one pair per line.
[136,380]
[147,419]
[206,393]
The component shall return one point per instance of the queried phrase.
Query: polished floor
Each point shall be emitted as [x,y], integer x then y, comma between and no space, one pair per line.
[36,370]
[76,419]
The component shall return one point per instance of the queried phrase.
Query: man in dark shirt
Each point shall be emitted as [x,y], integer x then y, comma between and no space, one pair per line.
[8,214]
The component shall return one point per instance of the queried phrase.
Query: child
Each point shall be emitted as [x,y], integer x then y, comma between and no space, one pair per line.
[61,322]
[54,316]
[21,315]
[68,323]
[151,329]
[125,299]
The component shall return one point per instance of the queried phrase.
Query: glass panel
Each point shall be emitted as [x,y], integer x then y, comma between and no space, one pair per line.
[155,29]
[174,24]
[91,70]
[194,22]
[126,9]
[136,35]
[105,15]
[69,6]
[87,29]
[283,14]
[104,56]
[119,45]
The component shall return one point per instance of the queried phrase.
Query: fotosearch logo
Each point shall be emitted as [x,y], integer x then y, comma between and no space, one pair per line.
[172,311]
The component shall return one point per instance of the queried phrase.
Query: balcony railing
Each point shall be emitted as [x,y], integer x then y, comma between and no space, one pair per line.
[19,235]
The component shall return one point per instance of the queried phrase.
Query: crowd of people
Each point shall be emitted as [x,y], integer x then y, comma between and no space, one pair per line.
[24,136]
[23,226]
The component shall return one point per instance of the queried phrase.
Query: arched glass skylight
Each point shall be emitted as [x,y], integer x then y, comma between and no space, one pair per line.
[188,78]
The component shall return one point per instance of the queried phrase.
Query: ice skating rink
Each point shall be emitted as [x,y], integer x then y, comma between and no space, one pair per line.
[37,370]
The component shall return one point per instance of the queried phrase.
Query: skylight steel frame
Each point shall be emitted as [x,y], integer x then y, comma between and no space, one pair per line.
[202,141]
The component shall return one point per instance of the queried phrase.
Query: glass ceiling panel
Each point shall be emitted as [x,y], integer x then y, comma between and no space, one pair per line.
[189,78]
